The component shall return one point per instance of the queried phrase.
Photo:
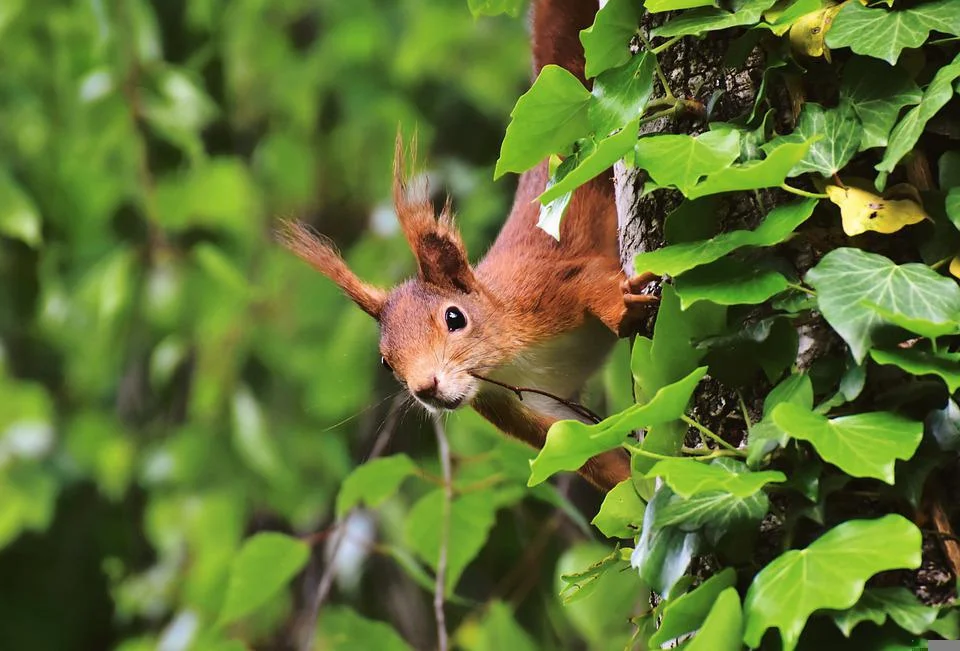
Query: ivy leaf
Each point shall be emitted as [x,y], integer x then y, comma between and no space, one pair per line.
[905,135]
[700,21]
[606,43]
[877,91]
[571,443]
[861,445]
[621,94]
[863,211]
[839,131]
[808,31]
[717,512]
[877,603]
[767,173]
[579,585]
[884,34]
[663,553]
[858,292]
[686,613]
[681,160]
[830,573]
[657,6]
[766,436]
[607,152]
[723,628]
[342,629]
[921,362]
[621,512]
[688,477]
[729,281]
[373,482]
[546,119]
[678,258]
[262,567]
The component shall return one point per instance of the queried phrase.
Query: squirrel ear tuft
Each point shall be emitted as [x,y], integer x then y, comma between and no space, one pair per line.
[435,241]
[323,257]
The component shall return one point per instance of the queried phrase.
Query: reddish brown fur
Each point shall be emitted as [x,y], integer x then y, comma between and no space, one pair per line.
[530,299]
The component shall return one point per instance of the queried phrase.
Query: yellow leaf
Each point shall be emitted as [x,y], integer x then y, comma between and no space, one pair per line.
[807,33]
[865,211]
[955,266]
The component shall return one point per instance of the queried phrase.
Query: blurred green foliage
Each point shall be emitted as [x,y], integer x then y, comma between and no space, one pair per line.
[170,380]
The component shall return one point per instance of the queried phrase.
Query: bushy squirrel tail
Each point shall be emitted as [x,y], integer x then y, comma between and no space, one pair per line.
[556,33]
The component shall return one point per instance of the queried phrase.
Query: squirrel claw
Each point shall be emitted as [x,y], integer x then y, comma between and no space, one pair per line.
[638,306]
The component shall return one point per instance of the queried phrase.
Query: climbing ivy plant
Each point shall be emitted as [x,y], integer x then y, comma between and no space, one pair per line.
[760,521]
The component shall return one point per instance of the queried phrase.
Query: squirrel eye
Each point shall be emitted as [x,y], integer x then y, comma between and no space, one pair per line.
[386,365]
[455,319]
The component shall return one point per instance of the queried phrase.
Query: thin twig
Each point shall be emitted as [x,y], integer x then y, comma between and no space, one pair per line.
[706,432]
[443,449]
[576,407]
[307,631]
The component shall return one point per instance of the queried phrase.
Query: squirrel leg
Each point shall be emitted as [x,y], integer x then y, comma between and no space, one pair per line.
[617,300]
[508,414]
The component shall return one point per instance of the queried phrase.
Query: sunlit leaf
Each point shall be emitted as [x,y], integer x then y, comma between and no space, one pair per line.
[262,567]
[723,628]
[678,258]
[621,94]
[858,292]
[687,612]
[547,119]
[708,19]
[621,512]
[829,573]
[729,281]
[657,6]
[681,160]
[571,443]
[342,629]
[663,553]
[835,135]
[883,33]
[606,43]
[19,217]
[862,445]
[767,173]
[374,481]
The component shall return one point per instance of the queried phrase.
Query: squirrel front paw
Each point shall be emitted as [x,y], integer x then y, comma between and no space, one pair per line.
[638,305]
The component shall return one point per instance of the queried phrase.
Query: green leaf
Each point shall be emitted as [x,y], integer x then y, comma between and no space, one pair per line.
[657,6]
[766,436]
[607,152]
[877,603]
[862,445]
[472,516]
[835,134]
[830,573]
[883,34]
[374,482]
[581,584]
[260,570]
[663,553]
[717,512]
[921,362]
[688,477]
[19,217]
[877,92]
[729,281]
[220,267]
[571,443]
[498,630]
[858,292]
[342,629]
[251,437]
[935,97]
[621,94]
[681,160]
[606,43]
[700,21]
[686,613]
[767,173]
[678,258]
[495,7]
[547,119]
[621,512]
[952,203]
[723,628]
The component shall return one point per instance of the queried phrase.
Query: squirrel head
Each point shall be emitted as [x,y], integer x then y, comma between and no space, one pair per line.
[436,329]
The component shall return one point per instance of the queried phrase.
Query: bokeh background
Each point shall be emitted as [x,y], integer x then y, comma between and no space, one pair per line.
[171,381]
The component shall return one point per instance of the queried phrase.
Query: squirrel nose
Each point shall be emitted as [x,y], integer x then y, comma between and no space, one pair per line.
[427,391]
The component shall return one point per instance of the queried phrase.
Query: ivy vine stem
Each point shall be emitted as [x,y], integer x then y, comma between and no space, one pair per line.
[801,288]
[663,47]
[706,432]
[802,193]
[656,64]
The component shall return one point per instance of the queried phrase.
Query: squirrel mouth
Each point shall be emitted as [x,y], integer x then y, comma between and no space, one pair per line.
[435,402]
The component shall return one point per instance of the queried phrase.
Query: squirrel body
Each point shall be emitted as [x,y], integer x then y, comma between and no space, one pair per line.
[535,312]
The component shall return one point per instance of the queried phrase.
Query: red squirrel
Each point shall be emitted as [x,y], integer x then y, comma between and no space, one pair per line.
[535,312]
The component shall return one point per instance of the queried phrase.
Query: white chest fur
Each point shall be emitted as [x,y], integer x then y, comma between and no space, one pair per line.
[559,366]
